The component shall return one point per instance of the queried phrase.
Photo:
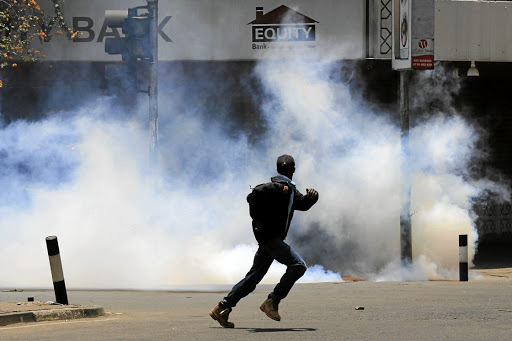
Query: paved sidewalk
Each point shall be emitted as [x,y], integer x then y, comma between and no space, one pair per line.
[18,312]
[494,273]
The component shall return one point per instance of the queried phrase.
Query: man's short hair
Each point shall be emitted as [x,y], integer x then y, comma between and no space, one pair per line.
[285,164]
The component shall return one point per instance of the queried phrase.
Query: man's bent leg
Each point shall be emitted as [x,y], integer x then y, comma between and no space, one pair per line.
[296,267]
[261,263]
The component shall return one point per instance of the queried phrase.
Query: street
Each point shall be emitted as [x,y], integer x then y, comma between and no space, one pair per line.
[435,310]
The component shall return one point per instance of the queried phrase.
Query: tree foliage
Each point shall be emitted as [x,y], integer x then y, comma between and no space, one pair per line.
[22,22]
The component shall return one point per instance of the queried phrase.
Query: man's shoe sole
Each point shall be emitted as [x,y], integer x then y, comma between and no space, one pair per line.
[272,317]
[215,318]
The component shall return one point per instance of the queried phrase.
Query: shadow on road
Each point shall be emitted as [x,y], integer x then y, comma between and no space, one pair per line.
[273,330]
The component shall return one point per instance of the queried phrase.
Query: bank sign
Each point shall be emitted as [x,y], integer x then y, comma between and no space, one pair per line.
[281,24]
[222,29]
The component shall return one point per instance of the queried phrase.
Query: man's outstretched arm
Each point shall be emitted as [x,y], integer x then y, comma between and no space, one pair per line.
[304,202]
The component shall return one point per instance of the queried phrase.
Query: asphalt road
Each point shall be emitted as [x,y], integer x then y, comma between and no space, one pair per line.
[475,310]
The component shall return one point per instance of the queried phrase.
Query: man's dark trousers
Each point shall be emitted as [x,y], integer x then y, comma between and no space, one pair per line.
[267,252]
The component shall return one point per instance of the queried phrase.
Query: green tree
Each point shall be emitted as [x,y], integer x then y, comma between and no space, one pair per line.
[21,23]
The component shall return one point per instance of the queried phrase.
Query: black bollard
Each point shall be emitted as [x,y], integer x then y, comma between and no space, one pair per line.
[59,286]
[463,257]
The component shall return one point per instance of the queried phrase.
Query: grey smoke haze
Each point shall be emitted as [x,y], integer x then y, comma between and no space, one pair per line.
[86,180]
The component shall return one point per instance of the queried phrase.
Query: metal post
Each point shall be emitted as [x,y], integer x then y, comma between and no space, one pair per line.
[59,286]
[2,90]
[463,257]
[153,82]
[405,190]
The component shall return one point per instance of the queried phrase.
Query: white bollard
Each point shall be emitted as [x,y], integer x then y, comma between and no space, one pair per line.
[59,285]
[463,257]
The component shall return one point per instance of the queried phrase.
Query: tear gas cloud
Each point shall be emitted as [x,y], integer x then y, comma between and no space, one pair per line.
[123,224]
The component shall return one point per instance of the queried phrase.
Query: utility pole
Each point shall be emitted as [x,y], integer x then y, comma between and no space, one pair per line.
[402,62]
[412,49]
[405,180]
[153,82]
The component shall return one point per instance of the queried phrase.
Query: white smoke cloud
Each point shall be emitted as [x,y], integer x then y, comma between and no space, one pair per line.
[352,156]
[86,179]
[118,227]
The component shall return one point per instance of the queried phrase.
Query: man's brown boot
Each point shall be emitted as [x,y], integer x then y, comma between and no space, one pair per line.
[221,315]
[269,307]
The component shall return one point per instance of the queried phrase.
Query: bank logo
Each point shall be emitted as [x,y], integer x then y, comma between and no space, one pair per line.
[282,24]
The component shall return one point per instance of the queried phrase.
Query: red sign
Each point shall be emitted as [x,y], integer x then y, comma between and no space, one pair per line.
[422,54]
[423,62]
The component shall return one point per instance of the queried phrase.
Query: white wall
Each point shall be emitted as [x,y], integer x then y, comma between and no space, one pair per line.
[473,30]
[464,30]
[219,30]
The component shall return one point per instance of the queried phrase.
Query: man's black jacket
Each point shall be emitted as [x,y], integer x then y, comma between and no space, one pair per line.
[269,216]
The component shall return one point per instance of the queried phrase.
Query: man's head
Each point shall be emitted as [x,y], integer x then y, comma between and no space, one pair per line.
[286,165]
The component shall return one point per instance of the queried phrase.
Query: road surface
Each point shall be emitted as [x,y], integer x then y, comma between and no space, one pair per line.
[435,310]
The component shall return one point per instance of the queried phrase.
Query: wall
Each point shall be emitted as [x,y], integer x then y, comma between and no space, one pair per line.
[222,30]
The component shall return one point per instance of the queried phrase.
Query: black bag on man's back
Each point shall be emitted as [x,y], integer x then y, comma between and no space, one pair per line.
[268,207]
[268,200]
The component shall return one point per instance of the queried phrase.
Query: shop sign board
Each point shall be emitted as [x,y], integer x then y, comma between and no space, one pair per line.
[223,29]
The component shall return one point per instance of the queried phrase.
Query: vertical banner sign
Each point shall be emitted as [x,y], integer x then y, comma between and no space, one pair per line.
[401,55]
[422,49]
[404,28]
